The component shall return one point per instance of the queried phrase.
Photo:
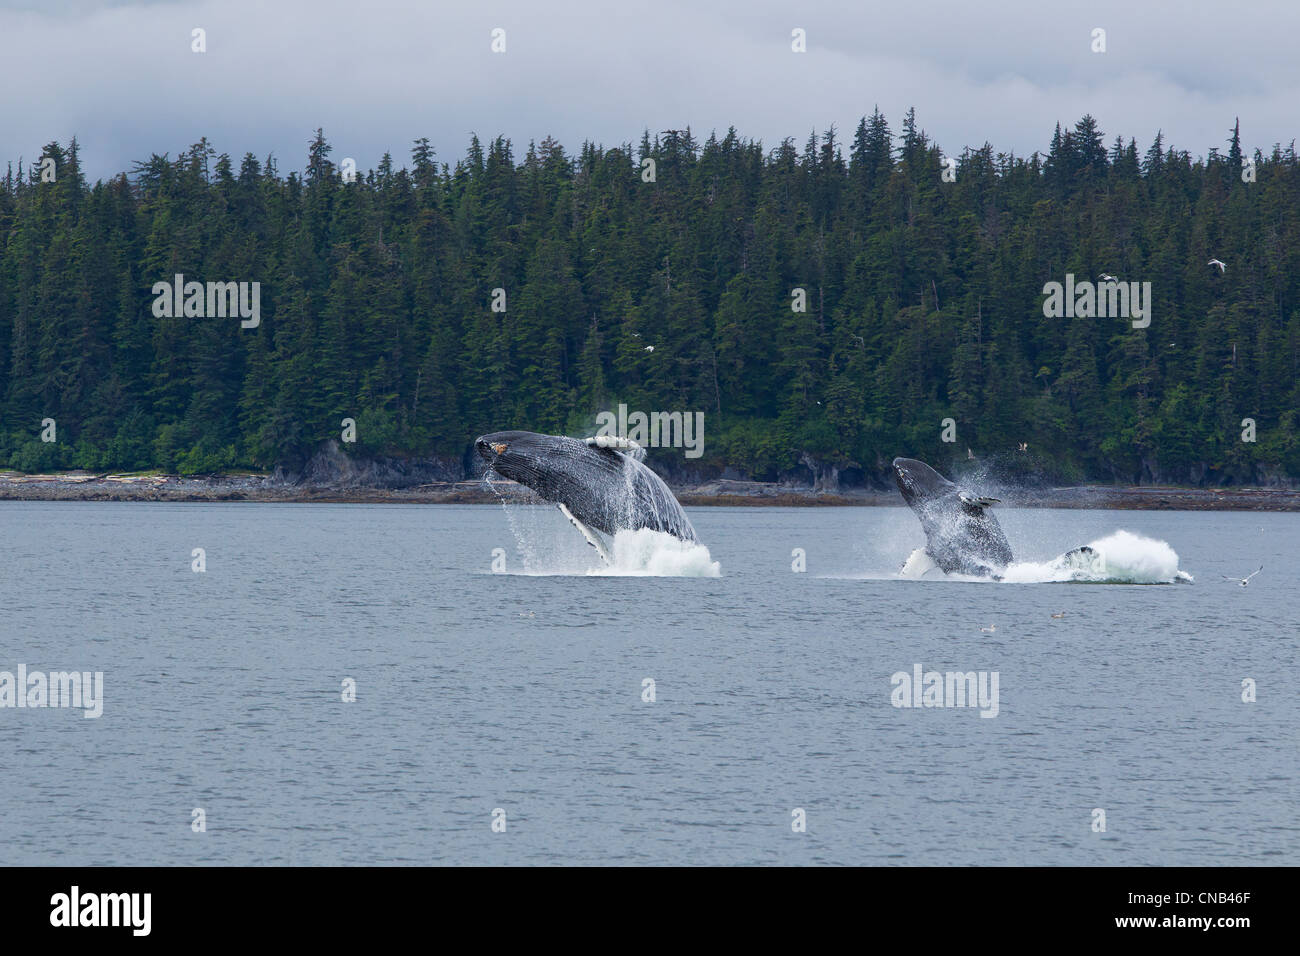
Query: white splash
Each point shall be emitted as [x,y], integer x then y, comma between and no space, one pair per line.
[658,554]
[1119,558]
[546,544]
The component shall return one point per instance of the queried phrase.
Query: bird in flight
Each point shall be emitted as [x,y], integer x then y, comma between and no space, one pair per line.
[1023,446]
[1223,266]
[1246,579]
[648,348]
[1105,277]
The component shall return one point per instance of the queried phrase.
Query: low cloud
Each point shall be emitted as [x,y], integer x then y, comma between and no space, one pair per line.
[122,78]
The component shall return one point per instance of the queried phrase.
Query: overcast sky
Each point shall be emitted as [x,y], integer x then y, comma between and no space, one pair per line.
[376,74]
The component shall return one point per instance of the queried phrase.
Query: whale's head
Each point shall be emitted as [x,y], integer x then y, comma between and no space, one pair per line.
[525,457]
[918,482]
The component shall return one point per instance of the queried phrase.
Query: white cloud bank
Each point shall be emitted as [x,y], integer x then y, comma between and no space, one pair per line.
[376,75]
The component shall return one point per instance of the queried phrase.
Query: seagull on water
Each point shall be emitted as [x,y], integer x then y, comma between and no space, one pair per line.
[1243,581]
[1223,266]
[1059,616]
[988,630]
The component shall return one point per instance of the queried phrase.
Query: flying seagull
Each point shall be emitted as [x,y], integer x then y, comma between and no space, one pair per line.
[1107,278]
[648,348]
[1024,446]
[1247,578]
[1223,266]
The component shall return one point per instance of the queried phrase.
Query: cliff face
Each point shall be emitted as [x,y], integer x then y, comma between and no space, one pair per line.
[332,468]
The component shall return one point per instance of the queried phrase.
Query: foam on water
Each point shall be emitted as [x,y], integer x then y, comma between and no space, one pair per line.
[1119,558]
[657,553]
[546,544]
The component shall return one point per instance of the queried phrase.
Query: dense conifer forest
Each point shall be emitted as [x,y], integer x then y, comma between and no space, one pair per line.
[671,285]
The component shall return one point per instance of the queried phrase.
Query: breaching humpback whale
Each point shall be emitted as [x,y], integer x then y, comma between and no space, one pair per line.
[960,534]
[599,483]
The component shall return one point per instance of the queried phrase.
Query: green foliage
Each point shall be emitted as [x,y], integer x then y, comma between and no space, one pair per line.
[923,303]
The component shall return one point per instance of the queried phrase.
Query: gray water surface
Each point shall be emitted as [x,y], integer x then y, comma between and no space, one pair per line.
[523,692]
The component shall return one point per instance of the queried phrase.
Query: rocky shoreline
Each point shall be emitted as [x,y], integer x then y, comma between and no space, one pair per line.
[80,486]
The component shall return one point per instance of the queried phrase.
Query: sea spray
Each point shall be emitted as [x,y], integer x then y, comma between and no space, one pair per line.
[658,554]
[546,544]
[1121,557]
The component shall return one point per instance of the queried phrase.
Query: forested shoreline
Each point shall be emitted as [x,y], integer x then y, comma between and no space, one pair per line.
[664,286]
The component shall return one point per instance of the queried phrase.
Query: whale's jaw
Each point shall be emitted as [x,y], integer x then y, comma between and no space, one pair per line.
[918,482]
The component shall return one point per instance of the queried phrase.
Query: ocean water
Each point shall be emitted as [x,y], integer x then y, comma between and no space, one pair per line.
[523,690]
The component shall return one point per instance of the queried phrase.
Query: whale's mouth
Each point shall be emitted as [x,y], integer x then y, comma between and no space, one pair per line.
[490,451]
[903,479]
[509,459]
[918,482]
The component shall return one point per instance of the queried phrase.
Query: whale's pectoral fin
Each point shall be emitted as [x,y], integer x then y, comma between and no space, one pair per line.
[918,564]
[977,503]
[592,537]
